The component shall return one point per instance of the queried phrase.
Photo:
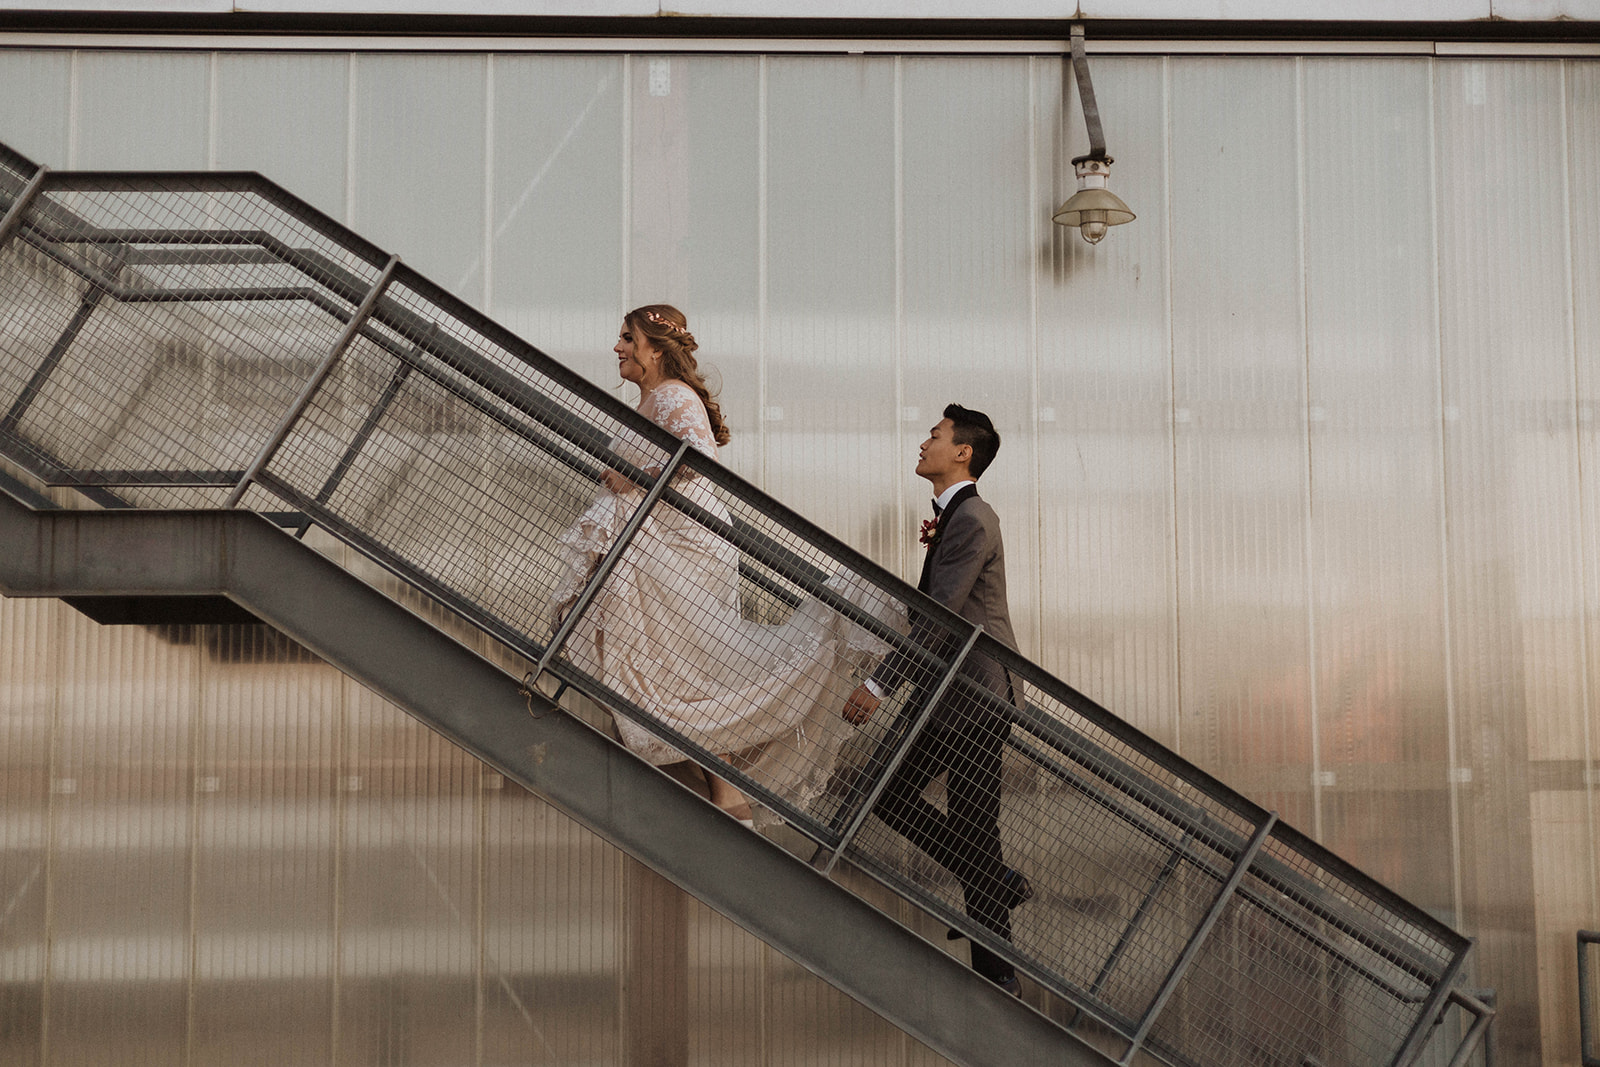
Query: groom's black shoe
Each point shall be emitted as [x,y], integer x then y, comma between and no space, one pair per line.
[1015,890]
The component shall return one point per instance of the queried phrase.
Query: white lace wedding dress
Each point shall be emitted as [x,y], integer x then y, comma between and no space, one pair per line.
[667,630]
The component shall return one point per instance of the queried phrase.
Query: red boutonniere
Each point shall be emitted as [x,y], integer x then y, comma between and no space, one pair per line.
[930,533]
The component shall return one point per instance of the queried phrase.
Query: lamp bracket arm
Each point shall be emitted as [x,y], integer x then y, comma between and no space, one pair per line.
[1091,110]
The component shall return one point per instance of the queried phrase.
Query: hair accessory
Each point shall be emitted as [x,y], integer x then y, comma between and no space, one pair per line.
[682,335]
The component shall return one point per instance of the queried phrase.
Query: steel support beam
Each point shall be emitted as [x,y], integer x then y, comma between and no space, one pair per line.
[774,895]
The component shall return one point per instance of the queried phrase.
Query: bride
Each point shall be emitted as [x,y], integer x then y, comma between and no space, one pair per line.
[667,631]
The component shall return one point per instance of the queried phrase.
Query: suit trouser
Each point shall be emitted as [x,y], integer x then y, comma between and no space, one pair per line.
[965,838]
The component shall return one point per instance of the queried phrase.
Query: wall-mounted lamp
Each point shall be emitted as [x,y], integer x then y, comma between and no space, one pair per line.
[1093,207]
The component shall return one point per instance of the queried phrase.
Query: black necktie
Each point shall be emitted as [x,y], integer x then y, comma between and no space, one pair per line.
[937,510]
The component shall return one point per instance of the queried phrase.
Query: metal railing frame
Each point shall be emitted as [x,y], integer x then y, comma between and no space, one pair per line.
[1192,835]
[892,759]
[1588,1026]
[308,392]
[609,561]
[1213,914]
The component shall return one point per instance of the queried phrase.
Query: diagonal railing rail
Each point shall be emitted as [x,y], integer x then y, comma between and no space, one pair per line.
[208,340]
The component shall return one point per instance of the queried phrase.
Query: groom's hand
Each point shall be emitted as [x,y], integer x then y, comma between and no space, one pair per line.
[859,708]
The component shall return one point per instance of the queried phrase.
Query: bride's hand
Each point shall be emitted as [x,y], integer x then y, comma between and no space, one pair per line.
[859,708]
[619,483]
[615,482]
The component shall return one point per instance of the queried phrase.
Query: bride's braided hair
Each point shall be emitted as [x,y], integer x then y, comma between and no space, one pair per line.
[668,331]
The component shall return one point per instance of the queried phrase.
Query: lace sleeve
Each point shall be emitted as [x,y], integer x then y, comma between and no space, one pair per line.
[676,408]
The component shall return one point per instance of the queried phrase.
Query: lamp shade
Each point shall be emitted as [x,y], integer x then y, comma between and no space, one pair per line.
[1090,206]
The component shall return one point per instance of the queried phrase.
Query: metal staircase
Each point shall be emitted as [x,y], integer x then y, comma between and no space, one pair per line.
[198,347]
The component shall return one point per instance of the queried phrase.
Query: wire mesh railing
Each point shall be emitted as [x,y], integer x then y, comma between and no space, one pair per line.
[207,340]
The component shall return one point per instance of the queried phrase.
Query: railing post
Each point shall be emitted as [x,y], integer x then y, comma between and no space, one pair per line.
[1586,995]
[348,334]
[13,216]
[1482,1015]
[825,864]
[1198,938]
[1428,1017]
[610,559]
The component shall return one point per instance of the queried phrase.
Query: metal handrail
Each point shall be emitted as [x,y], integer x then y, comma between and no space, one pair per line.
[1213,831]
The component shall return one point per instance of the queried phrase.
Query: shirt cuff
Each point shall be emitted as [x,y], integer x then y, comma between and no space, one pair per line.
[874,688]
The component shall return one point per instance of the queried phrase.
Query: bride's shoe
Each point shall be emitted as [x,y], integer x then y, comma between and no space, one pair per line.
[742,813]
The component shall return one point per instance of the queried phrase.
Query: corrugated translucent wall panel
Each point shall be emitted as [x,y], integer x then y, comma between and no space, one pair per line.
[1378,712]
[28,650]
[122,835]
[1511,485]
[284,110]
[141,111]
[552,948]
[1105,479]
[423,117]
[557,204]
[35,97]
[265,861]
[695,175]
[1563,836]
[409,850]
[1238,366]
[971,241]
[726,974]
[833,380]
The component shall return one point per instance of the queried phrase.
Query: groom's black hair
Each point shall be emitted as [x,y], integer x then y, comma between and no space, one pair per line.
[974,428]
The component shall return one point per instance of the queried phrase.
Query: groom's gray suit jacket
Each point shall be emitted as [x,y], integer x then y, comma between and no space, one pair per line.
[965,570]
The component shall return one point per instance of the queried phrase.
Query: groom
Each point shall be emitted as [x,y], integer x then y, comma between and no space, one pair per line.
[965,570]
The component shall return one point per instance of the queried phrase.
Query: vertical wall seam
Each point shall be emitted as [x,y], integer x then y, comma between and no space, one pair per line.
[74,103]
[1034,387]
[214,75]
[486,301]
[1175,586]
[350,116]
[55,621]
[489,146]
[1448,635]
[196,751]
[197,727]
[341,726]
[626,212]
[901,522]
[763,276]
[1308,498]
[480,909]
